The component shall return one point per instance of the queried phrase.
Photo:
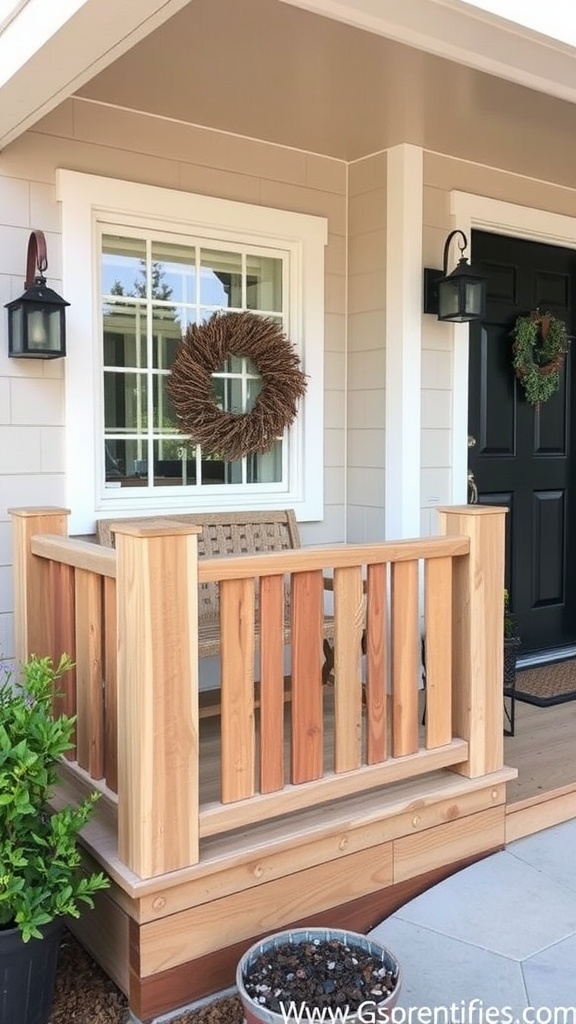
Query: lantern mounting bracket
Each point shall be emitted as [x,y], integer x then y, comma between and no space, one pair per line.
[36,260]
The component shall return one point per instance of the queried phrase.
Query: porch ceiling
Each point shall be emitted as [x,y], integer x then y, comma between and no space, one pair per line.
[271,70]
[49,49]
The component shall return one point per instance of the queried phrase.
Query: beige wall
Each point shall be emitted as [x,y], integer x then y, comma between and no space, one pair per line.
[85,136]
[366,398]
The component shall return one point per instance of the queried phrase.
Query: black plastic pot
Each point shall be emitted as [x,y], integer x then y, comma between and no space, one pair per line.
[28,974]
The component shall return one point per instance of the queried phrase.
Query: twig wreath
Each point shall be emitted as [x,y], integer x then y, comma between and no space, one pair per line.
[539,349]
[203,351]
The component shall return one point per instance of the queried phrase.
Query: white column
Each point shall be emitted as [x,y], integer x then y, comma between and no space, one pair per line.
[461,218]
[403,340]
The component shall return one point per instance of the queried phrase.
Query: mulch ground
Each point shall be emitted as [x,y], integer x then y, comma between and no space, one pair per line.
[84,994]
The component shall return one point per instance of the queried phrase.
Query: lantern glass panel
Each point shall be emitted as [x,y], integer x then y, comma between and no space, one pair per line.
[474,293]
[15,330]
[37,322]
[44,332]
[448,299]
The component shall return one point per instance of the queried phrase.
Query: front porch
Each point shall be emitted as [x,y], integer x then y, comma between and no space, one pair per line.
[336,806]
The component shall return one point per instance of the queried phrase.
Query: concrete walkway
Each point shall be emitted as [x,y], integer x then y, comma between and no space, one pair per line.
[502,931]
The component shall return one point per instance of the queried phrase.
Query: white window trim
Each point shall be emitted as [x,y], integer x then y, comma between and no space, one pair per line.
[88,200]
[470,211]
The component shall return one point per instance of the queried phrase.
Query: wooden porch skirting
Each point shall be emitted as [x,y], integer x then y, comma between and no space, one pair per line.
[178,937]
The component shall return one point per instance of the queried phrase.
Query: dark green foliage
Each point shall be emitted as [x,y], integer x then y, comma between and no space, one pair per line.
[539,350]
[510,627]
[40,873]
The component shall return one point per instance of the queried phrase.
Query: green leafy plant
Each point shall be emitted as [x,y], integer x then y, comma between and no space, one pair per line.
[40,864]
[509,623]
[539,349]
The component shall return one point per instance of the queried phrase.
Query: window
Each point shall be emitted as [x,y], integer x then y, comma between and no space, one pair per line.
[142,264]
[152,290]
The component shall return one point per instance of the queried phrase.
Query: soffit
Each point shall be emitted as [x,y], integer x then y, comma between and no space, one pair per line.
[466,32]
[272,71]
[47,50]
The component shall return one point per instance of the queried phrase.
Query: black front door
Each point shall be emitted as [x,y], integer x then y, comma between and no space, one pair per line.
[523,457]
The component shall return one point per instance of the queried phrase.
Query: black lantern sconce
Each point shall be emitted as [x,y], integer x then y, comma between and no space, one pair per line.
[37,321]
[459,296]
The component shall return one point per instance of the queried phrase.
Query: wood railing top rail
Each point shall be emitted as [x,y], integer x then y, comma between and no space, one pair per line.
[81,554]
[84,554]
[329,557]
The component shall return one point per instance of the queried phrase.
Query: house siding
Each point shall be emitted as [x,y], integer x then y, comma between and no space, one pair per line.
[366,372]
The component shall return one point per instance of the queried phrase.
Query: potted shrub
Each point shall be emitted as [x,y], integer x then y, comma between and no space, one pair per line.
[41,879]
[313,973]
[511,645]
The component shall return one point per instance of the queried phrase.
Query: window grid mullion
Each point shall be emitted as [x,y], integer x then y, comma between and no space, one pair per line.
[149,351]
[244,299]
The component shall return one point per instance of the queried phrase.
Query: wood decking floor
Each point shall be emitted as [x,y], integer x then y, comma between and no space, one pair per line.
[543,750]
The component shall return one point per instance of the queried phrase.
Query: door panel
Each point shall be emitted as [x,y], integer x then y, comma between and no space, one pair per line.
[548,522]
[522,456]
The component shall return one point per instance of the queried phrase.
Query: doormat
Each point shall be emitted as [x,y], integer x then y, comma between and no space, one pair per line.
[545,685]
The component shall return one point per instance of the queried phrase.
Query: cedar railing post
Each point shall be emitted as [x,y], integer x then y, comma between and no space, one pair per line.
[157,672]
[478,631]
[33,631]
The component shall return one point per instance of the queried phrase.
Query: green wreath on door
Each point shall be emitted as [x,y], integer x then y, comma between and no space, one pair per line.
[539,350]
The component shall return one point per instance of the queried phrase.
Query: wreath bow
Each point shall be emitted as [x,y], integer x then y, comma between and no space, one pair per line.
[539,349]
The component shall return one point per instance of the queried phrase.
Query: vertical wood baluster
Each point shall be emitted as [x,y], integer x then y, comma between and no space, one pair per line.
[237,653]
[271,683]
[376,673]
[405,658]
[307,632]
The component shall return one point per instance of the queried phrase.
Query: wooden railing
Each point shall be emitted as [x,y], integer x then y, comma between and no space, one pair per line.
[129,620]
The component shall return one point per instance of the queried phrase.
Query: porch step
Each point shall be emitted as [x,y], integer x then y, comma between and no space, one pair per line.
[352,823]
[536,813]
[349,860]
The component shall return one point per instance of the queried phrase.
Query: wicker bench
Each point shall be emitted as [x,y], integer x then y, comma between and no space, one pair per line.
[233,533]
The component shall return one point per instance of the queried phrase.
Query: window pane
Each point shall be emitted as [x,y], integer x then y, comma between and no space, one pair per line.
[173,272]
[253,389]
[123,266]
[215,470]
[220,278]
[236,385]
[125,335]
[125,402]
[264,283]
[265,467]
[166,335]
[232,365]
[126,462]
[164,417]
[228,394]
[174,463]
